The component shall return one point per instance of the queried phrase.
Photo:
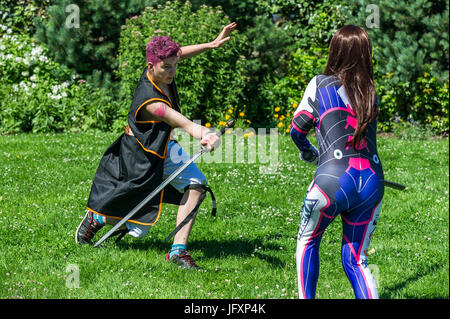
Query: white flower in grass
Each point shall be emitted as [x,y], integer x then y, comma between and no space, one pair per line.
[54,96]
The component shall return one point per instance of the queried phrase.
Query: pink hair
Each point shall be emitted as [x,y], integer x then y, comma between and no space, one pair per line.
[160,48]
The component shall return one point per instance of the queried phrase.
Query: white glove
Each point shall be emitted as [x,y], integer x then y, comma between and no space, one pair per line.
[310,156]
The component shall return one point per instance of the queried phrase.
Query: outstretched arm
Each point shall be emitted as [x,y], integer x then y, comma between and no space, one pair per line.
[193,50]
[160,111]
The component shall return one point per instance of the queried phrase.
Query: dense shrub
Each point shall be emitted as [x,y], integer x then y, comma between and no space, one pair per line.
[412,37]
[411,66]
[411,52]
[39,95]
[19,14]
[84,35]
[209,83]
[257,77]
[284,94]
[423,102]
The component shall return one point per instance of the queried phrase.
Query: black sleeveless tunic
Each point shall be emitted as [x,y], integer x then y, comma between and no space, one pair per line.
[132,167]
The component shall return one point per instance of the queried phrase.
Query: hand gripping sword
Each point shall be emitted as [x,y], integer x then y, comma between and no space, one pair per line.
[158,189]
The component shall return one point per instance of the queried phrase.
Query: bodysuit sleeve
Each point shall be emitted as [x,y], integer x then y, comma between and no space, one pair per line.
[305,117]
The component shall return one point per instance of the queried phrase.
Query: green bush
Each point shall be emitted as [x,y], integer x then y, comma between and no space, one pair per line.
[89,47]
[209,83]
[423,102]
[411,36]
[18,14]
[284,94]
[39,95]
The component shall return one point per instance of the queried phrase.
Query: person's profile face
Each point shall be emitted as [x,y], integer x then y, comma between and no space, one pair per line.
[164,71]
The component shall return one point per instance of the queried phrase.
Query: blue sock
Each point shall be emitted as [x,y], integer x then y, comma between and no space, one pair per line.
[175,250]
[98,218]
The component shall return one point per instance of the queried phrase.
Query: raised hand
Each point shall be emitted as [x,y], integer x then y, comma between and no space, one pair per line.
[224,36]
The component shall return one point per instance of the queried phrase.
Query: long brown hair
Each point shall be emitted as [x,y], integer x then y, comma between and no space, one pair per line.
[350,59]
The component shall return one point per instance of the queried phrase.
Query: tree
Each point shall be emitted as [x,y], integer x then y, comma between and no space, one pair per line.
[411,38]
[84,35]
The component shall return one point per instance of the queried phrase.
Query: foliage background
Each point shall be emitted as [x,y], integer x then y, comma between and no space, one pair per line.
[70,81]
[82,78]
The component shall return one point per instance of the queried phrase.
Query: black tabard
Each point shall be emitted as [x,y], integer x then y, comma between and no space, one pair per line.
[132,166]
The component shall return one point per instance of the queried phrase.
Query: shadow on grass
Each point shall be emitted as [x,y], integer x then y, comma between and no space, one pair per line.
[390,292]
[214,248]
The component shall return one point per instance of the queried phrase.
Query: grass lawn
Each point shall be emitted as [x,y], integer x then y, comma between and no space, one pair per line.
[247,251]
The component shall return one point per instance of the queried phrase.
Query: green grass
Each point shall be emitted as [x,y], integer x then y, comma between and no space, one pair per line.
[247,251]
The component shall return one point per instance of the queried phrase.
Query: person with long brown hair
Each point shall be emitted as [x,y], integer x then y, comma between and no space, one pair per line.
[341,105]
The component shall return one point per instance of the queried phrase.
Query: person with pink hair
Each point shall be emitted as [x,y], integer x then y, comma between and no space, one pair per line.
[141,158]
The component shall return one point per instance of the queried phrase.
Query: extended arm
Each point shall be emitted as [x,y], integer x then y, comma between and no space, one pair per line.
[163,112]
[195,49]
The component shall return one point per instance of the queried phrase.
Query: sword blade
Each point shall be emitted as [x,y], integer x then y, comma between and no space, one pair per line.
[394,185]
[148,198]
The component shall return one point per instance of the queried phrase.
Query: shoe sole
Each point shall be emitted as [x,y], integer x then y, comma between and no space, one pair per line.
[181,266]
[78,228]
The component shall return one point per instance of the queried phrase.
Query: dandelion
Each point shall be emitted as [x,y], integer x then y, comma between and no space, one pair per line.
[280,125]
[242,114]
[282,117]
[230,111]
[208,125]
[287,130]
[277,109]
[276,116]
[227,117]
[247,135]
[294,105]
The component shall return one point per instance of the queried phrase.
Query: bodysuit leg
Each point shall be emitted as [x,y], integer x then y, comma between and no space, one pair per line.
[313,223]
[358,227]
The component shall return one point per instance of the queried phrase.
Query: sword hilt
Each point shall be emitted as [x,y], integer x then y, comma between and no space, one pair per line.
[230,124]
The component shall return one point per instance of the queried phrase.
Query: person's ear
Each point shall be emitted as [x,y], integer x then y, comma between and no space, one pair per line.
[150,65]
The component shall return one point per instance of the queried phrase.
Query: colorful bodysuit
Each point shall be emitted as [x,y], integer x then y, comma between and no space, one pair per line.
[348,182]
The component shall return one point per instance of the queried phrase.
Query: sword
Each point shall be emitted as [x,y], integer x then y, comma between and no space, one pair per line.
[394,185]
[172,176]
